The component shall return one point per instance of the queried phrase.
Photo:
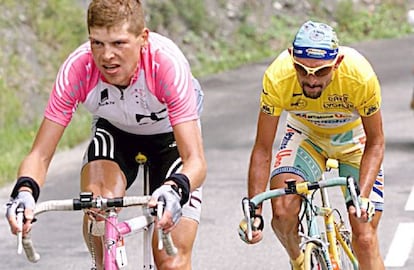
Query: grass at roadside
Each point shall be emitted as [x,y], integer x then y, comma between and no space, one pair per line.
[17,133]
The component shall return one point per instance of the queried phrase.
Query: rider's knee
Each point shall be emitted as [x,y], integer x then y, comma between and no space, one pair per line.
[174,263]
[284,212]
[364,241]
[284,223]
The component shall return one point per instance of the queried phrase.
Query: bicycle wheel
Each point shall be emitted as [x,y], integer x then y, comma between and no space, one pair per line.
[314,257]
[345,261]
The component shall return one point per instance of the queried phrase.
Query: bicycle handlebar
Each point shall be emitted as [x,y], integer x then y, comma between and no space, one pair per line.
[166,242]
[86,202]
[19,219]
[250,205]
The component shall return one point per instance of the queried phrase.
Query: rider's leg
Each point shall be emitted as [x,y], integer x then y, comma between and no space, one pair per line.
[183,236]
[364,235]
[365,243]
[285,221]
[105,178]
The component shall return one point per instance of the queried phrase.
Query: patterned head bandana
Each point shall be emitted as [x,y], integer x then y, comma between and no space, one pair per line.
[315,40]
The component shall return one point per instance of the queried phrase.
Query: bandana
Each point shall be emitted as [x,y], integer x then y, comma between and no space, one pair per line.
[315,40]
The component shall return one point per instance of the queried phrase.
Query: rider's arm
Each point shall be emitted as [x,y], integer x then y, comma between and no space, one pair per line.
[36,163]
[33,169]
[261,156]
[189,143]
[174,86]
[190,147]
[373,154]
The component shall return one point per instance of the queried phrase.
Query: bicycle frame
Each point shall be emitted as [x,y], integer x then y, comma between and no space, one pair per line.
[114,247]
[114,251]
[331,231]
[311,211]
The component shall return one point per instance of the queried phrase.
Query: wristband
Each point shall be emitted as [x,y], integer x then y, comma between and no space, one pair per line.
[183,184]
[25,181]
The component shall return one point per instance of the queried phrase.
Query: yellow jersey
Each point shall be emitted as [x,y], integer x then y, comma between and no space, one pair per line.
[353,92]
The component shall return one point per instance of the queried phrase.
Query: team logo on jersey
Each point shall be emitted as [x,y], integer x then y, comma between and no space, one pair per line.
[104,99]
[154,117]
[299,104]
[371,109]
[104,95]
[267,109]
[338,102]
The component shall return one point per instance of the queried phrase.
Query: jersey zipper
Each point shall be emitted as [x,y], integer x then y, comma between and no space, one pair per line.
[124,104]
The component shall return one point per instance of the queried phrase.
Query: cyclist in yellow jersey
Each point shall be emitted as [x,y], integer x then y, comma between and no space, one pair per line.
[332,98]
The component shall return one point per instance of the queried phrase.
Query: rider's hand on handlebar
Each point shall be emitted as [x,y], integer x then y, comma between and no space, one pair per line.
[367,209]
[257,233]
[25,200]
[172,207]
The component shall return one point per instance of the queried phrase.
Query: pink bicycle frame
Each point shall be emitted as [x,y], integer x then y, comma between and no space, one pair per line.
[114,250]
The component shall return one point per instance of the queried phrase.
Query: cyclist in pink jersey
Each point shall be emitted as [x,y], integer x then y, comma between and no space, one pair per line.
[139,88]
[333,102]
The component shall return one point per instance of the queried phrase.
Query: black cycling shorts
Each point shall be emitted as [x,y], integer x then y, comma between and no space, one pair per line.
[111,143]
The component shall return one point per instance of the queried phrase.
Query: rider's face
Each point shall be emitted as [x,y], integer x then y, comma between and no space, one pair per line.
[116,52]
[314,75]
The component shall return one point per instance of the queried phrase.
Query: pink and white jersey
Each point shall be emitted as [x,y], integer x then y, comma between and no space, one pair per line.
[160,95]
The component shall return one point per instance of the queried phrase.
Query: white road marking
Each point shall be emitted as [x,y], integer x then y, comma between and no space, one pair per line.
[401,245]
[409,206]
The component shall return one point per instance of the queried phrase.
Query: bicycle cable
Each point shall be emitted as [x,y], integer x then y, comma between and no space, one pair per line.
[91,247]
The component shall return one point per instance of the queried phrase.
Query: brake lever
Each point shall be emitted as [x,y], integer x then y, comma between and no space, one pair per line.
[20,219]
[354,195]
[246,211]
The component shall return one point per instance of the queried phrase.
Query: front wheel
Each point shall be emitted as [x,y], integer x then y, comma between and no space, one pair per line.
[345,252]
[314,257]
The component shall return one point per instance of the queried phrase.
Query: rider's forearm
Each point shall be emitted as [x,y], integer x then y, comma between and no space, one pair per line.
[258,177]
[370,166]
[195,169]
[190,146]
[35,167]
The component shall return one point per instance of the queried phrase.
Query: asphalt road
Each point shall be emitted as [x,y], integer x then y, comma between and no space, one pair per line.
[230,114]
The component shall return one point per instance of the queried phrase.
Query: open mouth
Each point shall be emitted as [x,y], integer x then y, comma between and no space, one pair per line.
[111,68]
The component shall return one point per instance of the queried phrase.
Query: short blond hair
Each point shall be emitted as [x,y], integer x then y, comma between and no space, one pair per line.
[110,13]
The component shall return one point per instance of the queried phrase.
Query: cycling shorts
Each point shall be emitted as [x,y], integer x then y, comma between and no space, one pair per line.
[163,159]
[304,152]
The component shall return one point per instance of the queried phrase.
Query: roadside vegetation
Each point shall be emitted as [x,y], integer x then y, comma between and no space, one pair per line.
[27,71]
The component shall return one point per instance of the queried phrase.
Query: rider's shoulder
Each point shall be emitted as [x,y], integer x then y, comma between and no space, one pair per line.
[351,53]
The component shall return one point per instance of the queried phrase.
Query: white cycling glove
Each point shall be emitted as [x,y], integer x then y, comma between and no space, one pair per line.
[171,199]
[369,207]
[24,198]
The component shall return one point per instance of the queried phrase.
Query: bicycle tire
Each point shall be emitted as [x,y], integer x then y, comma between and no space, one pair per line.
[314,257]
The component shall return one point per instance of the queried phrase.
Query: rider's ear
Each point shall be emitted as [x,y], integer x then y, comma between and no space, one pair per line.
[144,36]
[339,60]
